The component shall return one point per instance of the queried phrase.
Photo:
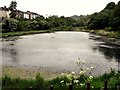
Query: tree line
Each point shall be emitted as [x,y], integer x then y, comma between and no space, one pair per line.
[40,23]
[108,18]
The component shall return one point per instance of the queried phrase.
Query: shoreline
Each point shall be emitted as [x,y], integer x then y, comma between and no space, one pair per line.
[12,36]
[25,72]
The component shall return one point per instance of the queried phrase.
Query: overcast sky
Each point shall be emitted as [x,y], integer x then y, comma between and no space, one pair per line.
[60,7]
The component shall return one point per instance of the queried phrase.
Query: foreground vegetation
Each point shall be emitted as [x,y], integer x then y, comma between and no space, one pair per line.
[62,82]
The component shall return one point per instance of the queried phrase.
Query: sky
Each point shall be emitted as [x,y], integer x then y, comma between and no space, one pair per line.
[60,7]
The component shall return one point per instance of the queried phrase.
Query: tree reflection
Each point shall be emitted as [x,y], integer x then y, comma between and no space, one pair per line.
[109,52]
[11,51]
[107,47]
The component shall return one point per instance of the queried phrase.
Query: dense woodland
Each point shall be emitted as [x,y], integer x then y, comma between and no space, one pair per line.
[108,19]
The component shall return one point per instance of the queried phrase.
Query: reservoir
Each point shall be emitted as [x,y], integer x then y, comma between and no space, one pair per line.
[59,51]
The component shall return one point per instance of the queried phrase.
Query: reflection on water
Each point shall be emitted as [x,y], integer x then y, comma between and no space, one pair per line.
[109,53]
[9,52]
[58,51]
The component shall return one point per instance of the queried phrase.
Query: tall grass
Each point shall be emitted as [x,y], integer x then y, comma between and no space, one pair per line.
[61,82]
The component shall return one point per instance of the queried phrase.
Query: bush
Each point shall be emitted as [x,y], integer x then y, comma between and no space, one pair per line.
[39,82]
[9,25]
[61,82]
[108,29]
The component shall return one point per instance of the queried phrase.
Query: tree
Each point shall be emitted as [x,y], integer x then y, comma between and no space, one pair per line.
[9,25]
[110,6]
[117,10]
[13,9]
[40,17]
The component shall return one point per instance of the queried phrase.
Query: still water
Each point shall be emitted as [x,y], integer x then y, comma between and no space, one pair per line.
[59,51]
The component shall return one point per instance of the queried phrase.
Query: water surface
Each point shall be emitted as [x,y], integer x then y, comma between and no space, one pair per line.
[58,52]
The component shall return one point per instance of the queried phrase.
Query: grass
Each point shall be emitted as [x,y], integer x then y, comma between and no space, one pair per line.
[102,32]
[61,82]
[20,33]
[28,73]
[111,34]
[12,35]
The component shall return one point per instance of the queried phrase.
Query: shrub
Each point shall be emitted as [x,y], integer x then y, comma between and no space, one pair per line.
[9,25]
[39,82]
[108,29]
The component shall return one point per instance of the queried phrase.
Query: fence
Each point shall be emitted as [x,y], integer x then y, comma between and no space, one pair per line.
[88,87]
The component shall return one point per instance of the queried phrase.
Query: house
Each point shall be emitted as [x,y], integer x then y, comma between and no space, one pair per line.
[26,15]
[19,14]
[32,15]
[4,12]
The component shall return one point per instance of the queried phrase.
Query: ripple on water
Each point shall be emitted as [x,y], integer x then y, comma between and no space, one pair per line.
[58,52]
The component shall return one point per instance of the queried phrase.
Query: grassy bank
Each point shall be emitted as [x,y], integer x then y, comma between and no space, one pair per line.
[62,82]
[13,35]
[28,72]
[110,34]
[20,33]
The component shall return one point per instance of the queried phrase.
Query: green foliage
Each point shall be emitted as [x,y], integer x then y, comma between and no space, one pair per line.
[108,17]
[40,23]
[55,21]
[61,82]
[116,11]
[9,25]
[39,82]
[11,35]
[99,21]
[22,84]
[108,29]
[110,6]
[116,22]
[12,7]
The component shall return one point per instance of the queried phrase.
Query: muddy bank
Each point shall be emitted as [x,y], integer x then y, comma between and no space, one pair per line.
[28,72]
[105,39]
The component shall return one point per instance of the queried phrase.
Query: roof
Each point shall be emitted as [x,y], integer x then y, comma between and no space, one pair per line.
[32,13]
[20,11]
[4,8]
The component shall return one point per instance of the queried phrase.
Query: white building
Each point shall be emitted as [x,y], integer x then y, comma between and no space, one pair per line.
[4,12]
[32,15]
